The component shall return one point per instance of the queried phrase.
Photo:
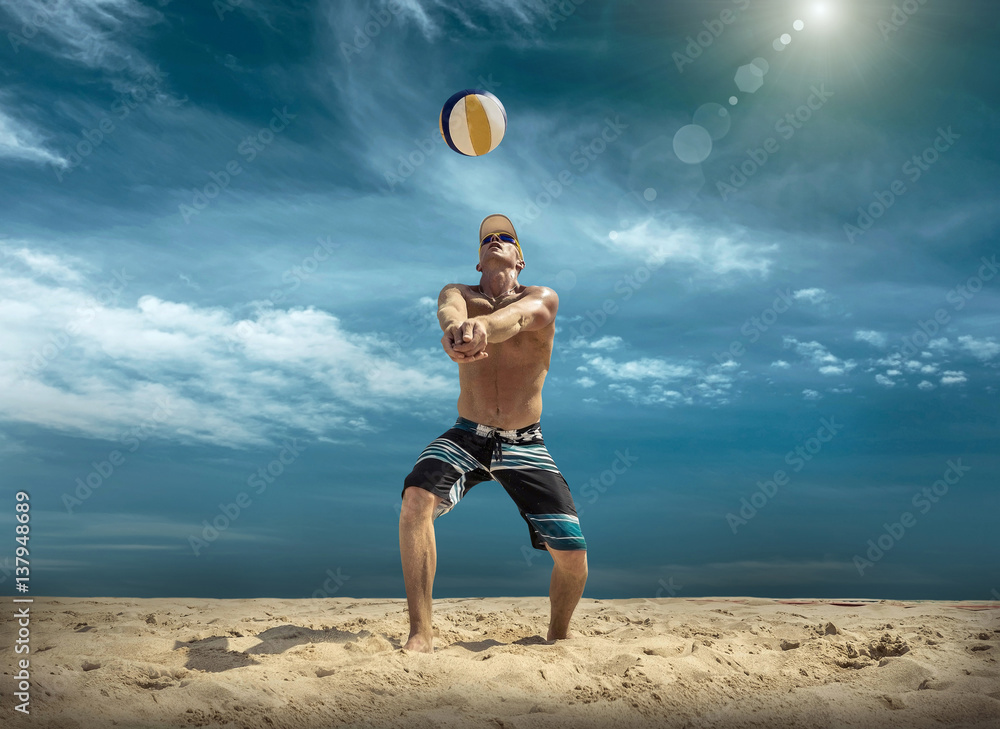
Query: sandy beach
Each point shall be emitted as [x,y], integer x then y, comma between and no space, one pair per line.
[671,662]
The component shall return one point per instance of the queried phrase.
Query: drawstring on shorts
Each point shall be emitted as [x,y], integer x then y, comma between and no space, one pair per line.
[498,437]
[497,447]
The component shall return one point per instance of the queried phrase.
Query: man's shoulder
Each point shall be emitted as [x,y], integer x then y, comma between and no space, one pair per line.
[542,292]
[461,288]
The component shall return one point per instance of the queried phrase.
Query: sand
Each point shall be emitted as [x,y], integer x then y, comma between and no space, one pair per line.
[671,662]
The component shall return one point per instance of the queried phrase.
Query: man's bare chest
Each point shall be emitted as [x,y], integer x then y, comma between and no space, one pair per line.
[480,305]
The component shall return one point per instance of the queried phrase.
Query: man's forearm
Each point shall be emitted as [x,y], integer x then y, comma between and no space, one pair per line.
[502,324]
[452,309]
[449,317]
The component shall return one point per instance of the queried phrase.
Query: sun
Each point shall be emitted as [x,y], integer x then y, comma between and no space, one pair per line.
[824,13]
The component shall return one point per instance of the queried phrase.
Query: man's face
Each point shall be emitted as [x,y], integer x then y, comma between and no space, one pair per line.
[498,249]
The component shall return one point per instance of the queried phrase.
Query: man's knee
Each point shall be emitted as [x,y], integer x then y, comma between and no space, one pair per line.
[418,503]
[571,560]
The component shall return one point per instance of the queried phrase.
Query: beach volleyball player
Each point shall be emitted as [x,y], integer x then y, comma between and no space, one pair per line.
[500,333]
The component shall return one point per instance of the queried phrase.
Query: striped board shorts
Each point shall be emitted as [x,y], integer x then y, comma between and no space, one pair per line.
[470,453]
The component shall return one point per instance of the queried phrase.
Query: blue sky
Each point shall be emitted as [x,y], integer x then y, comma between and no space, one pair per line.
[225,225]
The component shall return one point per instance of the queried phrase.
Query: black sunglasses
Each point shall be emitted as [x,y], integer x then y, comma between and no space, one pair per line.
[505,237]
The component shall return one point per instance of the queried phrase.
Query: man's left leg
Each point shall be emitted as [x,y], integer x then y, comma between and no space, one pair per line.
[569,575]
[530,476]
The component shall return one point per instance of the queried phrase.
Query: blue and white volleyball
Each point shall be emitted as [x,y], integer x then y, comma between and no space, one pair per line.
[473,122]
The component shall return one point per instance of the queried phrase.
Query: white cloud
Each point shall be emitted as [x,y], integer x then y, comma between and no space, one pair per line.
[640,369]
[655,395]
[981,349]
[629,392]
[93,33]
[925,385]
[9,447]
[528,17]
[820,357]
[520,22]
[104,531]
[941,343]
[602,343]
[813,296]
[18,141]
[708,253]
[651,381]
[915,366]
[876,339]
[586,382]
[811,395]
[893,360]
[952,377]
[43,264]
[780,365]
[884,381]
[97,368]
[606,343]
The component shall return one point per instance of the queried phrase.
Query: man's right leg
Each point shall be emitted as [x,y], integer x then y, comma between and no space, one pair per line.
[419,555]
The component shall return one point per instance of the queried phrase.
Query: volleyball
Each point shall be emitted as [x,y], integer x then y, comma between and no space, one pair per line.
[473,122]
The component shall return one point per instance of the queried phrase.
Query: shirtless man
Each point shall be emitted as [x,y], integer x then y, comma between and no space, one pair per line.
[500,333]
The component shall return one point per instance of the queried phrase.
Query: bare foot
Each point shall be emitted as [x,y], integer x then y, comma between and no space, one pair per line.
[420,644]
[569,635]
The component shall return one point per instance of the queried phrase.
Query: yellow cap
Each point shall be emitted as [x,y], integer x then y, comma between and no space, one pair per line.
[497,223]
